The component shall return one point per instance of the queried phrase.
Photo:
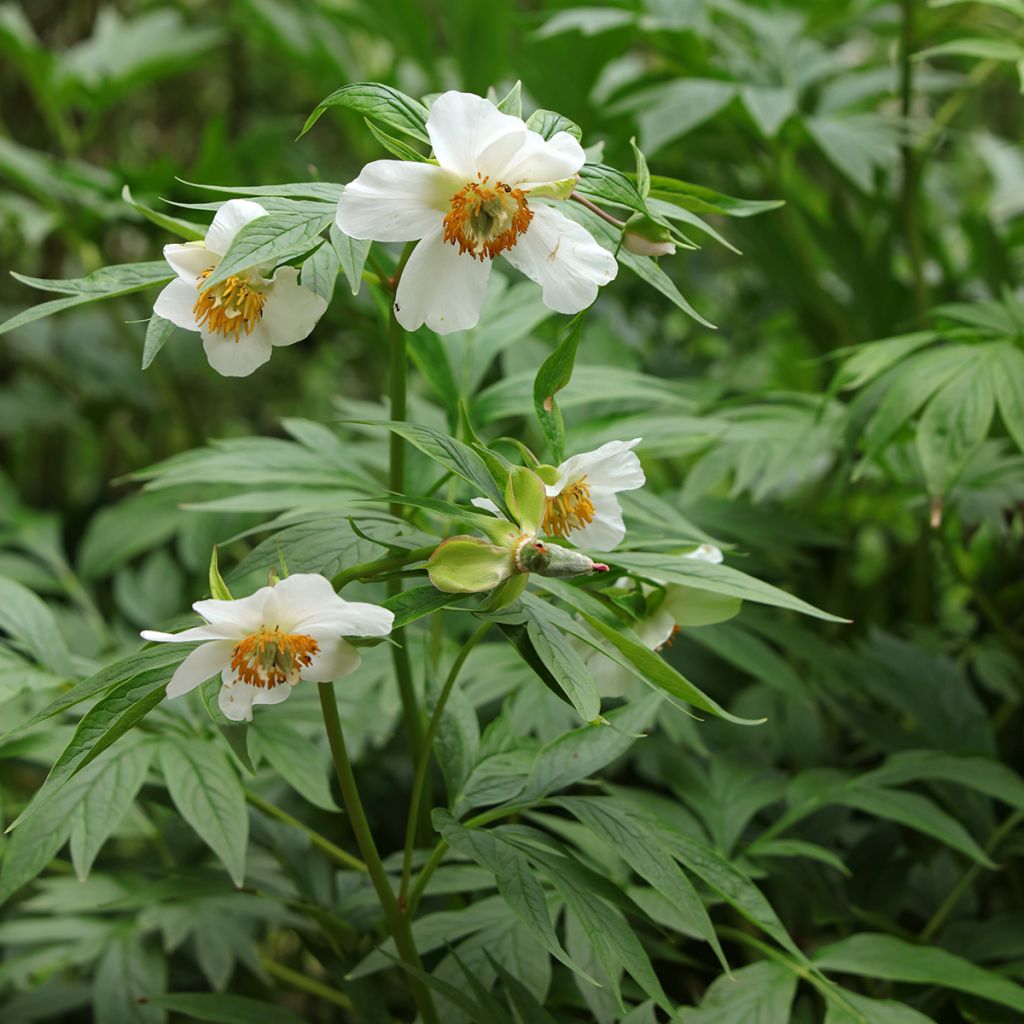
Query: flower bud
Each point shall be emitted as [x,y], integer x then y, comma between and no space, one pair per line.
[645,237]
[553,560]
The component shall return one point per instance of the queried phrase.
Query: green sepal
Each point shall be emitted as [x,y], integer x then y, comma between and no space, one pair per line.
[218,588]
[555,189]
[469,565]
[526,498]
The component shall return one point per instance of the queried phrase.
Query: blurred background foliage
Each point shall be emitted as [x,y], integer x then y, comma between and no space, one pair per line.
[881,481]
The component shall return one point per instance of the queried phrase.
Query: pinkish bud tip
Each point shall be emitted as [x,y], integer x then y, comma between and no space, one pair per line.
[599,567]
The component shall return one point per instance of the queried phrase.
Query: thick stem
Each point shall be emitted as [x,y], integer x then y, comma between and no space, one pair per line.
[398,925]
[380,565]
[423,763]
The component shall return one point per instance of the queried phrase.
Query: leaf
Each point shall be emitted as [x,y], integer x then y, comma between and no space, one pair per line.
[870,1011]
[175,225]
[667,111]
[889,958]
[218,588]
[513,876]
[872,359]
[379,103]
[396,147]
[1008,376]
[770,106]
[105,799]
[352,253]
[416,602]
[719,579]
[759,994]
[319,272]
[512,102]
[974,46]
[106,283]
[547,123]
[158,332]
[209,796]
[701,199]
[273,239]
[599,181]
[554,374]
[32,627]
[298,761]
[856,144]
[563,661]
[128,976]
[226,1009]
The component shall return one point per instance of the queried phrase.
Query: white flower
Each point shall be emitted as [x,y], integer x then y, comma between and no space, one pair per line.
[487,195]
[241,319]
[262,645]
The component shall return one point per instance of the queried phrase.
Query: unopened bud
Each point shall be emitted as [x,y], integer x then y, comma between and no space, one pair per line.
[645,237]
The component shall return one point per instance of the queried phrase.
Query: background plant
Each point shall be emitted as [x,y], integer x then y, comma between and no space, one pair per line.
[852,429]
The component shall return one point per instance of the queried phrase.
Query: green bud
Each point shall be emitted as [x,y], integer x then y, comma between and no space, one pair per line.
[469,565]
[555,189]
[526,499]
[553,560]
[645,237]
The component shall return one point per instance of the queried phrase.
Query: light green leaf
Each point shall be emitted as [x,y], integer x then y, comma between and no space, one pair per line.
[126,979]
[379,103]
[158,332]
[870,1011]
[548,123]
[759,994]
[32,627]
[226,1009]
[297,760]
[352,253]
[182,228]
[554,374]
[563,661]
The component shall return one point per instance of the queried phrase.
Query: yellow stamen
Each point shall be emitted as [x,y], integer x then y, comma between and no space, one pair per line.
[485,220]
[270,657]
[669,640]
[230,307]
[570,509]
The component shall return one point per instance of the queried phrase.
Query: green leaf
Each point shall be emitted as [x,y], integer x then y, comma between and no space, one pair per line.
[554,374]
[319,272]
[106,283]
[273,239]
[599,181]
[1008,376]
[218,588]
[515,879]
[889,958]
[207,792]
[158,332]
[701,199]
[379,103]
[104,800]
[297,760]
[759,994]
[512,102]
[175,225]
[32,627]
[719,579]
[352,253]
[128,978]
[416,602]
[975,46]
[396,147]
[872,359]
[226,1009]
[563,661]
[547,123]
[526,498]
[870,1011]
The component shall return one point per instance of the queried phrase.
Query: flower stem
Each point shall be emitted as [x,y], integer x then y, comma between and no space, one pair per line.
[336,853]
[594,208]
[398,924]
[305,984]
[380,565]
[423,763]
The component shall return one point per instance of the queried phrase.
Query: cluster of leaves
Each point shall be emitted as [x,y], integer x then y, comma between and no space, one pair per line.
[853,859]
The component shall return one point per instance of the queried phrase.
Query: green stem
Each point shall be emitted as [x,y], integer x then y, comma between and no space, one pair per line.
[910,195]
[398,925]
[380,565]
[305,983]
[423,763]
[336,853]
[953,897]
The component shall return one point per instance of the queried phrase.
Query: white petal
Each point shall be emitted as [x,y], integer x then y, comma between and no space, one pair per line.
[302,595]
[236,699]
[177,304]
[221,631]
[203,662]
[441,287]
[231,358]
[290,312]
[244,614]
[335,660]
[229,220]
[613,465]
[541,160]
[462,127]
[396,200]
[606,529]
[487,505]
[188,261]
[706,553]
[563,258]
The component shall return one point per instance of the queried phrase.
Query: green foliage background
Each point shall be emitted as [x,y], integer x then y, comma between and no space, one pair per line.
[852,432]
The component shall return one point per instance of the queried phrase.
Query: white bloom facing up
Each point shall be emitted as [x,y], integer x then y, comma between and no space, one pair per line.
[262,645]
[489,193]
[244,317]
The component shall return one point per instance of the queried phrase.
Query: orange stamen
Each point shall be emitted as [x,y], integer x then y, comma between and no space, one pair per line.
[570,509]
[485,220]
[270,657]
[230,307]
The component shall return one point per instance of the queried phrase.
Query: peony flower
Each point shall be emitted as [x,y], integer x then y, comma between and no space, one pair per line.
[262,645]
[581,500]
[490,193]
[241,319]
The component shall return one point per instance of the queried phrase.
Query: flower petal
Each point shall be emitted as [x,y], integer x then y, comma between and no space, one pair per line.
[290,312]
[614,465]
[541,160]
[463,126]
[236,699]
[205,661]
[335,660]
[606,529]
[300,596]
[190,636]
[396,200]
[563,258]
[441,287]
[244,614]
[229,220]
[231,358]
[177,304]
[188,261]
[706,553]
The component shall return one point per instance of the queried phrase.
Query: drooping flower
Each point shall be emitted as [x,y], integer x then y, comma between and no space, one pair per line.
[241,319]
[671,607]
[581,503]
[491,192]
[262,645]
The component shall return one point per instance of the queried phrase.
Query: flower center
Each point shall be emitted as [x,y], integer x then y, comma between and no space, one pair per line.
[230,307]
[486,219]
[570,509]
[269,657]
